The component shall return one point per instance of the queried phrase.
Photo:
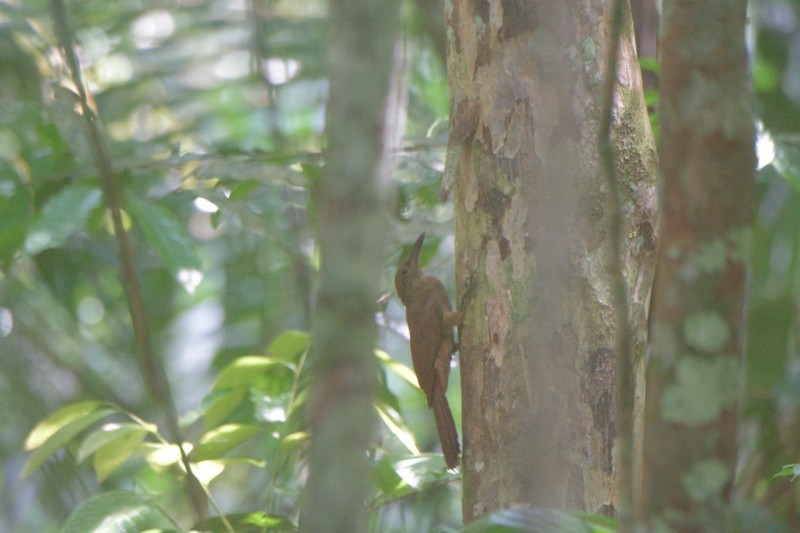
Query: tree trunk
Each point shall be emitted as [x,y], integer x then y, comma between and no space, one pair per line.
[708,168]
[537,344]
[351,231]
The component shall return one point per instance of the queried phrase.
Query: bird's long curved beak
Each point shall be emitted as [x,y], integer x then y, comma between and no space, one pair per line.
[414,255]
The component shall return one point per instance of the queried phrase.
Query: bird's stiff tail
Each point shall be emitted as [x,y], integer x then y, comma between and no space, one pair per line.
[446,426]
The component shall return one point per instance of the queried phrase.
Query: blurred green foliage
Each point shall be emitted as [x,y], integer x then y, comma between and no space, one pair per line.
[214,113]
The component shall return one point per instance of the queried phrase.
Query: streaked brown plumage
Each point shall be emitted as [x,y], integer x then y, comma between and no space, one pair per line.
[430,323]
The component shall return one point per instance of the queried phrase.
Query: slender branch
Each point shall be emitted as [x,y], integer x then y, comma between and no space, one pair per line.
[624,337]
[151,366]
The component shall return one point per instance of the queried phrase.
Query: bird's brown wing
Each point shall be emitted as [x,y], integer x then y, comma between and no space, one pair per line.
[425,315]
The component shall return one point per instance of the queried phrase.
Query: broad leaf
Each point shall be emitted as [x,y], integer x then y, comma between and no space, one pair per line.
[57,420]
[218,441]
[249,523]
[16,212]
[168,237]
[250,370]
[107,434]
[62,215]
[398,368]
[118,511]
[109,456]
[289,346]
[60,438]
[397,426]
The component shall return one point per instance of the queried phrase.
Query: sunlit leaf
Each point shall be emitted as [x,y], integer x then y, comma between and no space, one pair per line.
[107,434]
[116,450]
[249,523]
[57,420]
[289,346]
[221,404]
[792,470]
[161,456]
[218,441]
[397,426]
[248,370]
[293,440]
[118,511]
[206,471]
[403,371]
[387,480]
[62,216]
[60,438]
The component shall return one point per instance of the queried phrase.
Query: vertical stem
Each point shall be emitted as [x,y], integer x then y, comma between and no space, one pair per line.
[151,366]
[619,291]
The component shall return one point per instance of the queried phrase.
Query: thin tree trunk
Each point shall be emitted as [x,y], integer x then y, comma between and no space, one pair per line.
[537,344]
[707,163]
[351,233]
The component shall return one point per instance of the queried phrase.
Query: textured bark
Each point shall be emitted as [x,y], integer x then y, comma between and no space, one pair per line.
[708,168]
[537,342]
[351,230]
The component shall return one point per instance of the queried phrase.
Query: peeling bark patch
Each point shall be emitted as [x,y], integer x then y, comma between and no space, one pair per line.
[601,399]
[607,509]
[481,18]
[505,248]
[494,203]
[518,17]
[464,121]
[645,231]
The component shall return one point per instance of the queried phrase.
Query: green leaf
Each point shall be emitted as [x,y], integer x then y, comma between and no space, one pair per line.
[397,426]
[649,64]
[248,523]
[110,456]
[262,375]
[789,470]
[160,456]
[168,237]
[57,420]
[62,215]
[218,441]
[248,370]
[293,440]
[16,212]
[544,520]
[116,511]
[222,404]
[289,346]
[60,438]
[419,471]
[398,368]
[106,435]
[388,481]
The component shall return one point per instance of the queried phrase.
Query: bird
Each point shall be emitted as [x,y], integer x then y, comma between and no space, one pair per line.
[430,319]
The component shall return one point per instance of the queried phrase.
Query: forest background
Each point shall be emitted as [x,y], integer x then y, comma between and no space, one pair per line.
[213,116]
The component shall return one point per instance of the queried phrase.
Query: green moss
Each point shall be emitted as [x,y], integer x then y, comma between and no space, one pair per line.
[711,257]
[480,26]
[705,332]
[701,390]
[706,480]
[589,51]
